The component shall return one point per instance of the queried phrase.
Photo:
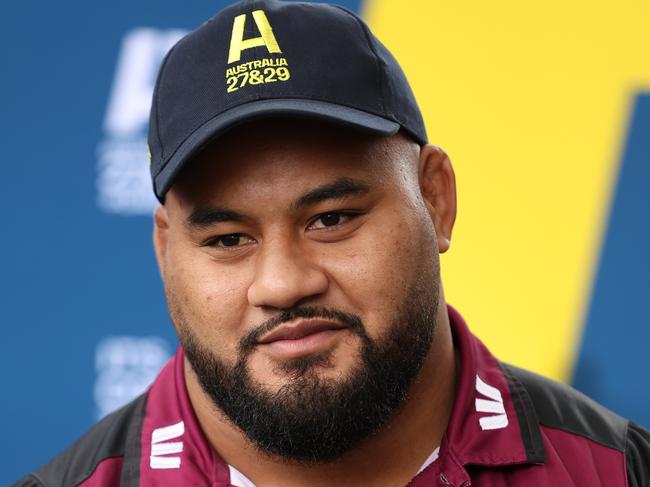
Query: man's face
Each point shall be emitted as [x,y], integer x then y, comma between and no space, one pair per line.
[301,272]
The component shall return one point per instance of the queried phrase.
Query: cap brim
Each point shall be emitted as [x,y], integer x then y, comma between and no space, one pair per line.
[290,107]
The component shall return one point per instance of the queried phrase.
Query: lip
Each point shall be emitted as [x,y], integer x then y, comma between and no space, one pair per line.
[299,329]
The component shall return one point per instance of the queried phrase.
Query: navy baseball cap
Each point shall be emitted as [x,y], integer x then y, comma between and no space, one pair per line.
[269,58]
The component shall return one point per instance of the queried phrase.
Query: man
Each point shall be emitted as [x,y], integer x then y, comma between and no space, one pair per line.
[301,221]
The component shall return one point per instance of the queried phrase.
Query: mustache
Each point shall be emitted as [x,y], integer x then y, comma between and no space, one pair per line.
[350,320]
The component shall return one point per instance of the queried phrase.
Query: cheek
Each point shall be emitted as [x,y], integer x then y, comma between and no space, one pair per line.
[206,299]
[376,270]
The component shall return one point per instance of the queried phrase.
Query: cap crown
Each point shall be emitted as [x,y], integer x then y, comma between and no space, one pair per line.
[270,50]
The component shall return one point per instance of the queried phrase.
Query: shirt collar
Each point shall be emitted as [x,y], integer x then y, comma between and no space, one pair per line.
[174,450]
[492,422]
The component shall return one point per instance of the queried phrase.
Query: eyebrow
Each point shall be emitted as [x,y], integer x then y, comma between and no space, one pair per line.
[337,189]
[205,217]
[340,188]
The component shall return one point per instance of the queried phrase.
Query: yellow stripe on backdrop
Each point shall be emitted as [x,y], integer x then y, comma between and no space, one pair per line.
[531,101]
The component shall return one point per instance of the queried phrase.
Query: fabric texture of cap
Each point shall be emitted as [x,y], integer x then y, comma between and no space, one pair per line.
[269,58]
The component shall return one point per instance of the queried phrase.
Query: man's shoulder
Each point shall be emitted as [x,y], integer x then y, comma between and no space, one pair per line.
[562,408]
[100,452]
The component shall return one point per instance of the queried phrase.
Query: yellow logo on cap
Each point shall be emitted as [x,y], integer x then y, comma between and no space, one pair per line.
[239,44]
[257,71]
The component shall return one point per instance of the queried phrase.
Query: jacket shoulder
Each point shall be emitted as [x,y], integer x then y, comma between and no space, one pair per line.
[109,438]
[562,407]
[637,456]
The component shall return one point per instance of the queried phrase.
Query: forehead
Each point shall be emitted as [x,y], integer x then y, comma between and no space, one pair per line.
[258,155]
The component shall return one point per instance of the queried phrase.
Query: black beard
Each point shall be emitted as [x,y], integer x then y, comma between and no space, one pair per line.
[310,419]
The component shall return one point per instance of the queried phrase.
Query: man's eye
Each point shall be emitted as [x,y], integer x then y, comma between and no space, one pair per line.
[231,240]
[328,220]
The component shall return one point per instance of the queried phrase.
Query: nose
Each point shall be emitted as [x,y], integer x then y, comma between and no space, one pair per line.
[284,276]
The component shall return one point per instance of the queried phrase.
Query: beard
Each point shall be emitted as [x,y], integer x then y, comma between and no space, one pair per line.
[311,419]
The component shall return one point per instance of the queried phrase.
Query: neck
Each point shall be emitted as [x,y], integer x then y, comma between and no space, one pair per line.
[400,447]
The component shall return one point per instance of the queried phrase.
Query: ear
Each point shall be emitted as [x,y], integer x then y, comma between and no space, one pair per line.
[160,237]
[438,187]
